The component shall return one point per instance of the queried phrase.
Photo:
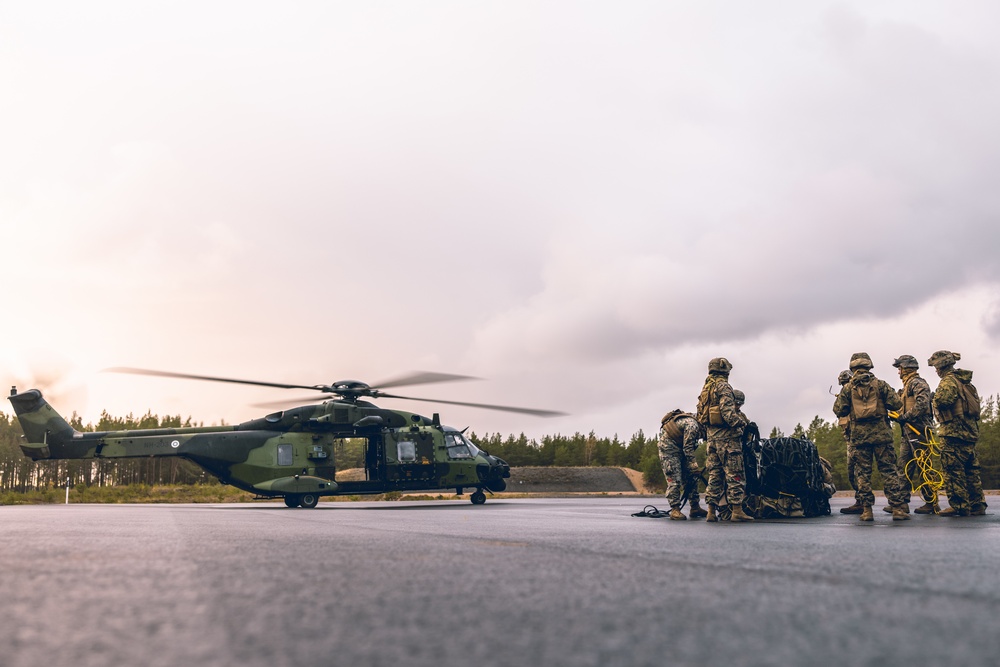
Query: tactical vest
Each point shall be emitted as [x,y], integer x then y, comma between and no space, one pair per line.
[866,401]
[709,413]
[670,427]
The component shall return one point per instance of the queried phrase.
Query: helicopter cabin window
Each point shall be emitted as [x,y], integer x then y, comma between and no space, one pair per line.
[406,451]
[457,446]
[285,455]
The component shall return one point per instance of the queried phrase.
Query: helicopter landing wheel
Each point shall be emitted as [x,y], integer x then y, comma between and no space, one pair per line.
[292,501]
[478,498]
[309,500]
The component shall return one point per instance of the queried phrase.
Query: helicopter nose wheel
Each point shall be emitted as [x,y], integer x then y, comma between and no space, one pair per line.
[478,498]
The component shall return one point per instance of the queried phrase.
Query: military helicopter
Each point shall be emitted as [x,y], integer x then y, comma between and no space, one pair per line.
[292,454]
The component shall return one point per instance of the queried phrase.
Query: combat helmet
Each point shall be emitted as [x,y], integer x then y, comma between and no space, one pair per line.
[740,397]
[861,360]
[906,361]
[943,359]
[720,365]
[844,377]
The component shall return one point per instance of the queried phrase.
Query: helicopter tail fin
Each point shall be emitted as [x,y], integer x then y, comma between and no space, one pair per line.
[44,428]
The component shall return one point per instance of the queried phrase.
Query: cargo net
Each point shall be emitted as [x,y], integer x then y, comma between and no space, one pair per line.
[785,477]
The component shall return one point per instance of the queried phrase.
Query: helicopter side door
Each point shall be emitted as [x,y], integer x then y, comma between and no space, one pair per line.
[414,456]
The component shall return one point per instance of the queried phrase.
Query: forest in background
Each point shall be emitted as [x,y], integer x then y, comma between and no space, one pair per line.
[18,474]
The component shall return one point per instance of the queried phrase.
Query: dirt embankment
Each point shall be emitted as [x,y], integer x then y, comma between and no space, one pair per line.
[575,480]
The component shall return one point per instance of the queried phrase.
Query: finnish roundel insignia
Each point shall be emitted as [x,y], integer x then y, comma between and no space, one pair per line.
[175,444]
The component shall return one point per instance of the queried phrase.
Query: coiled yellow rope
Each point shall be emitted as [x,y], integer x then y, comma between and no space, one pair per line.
[921,467]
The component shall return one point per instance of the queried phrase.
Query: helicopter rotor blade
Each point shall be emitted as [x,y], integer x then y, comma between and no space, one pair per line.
[421,377]
[186,376]
[485,406]
[291,402]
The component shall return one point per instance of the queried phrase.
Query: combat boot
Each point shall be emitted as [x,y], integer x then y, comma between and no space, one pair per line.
[866,514]
[928,508]
[676,515]
[978,510]
[856,508]
[900,514]
[739,514]
[696,511]
[710,515]
[951,511]
[889,510]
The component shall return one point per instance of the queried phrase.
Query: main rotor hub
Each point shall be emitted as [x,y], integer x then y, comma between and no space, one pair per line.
[350,389]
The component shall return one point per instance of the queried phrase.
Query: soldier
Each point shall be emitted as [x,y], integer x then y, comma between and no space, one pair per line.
[956,403]
[845,429]
[722,421]
[867,400]
[915,421]
[679,436]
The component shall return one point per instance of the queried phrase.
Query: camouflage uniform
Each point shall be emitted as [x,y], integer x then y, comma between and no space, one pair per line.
[677,447]
[725,448]
[915,421]
[959,427]
[871,437]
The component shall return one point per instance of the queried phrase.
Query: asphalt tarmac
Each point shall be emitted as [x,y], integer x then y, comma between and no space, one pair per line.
[514,582]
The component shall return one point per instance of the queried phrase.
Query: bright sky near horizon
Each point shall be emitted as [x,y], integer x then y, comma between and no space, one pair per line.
[581,203]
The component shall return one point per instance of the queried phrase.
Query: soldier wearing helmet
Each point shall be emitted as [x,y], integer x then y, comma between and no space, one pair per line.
[680,433]
[957,406]
[866,401]
[915,422]
[845,429]
[724,424]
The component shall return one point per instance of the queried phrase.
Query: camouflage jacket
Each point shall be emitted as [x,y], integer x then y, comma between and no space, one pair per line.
[875,430]
[724,399]
[916,395]
[945,399]
[691,430]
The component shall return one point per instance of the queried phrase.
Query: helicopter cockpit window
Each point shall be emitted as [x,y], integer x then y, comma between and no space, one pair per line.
[285,455]
[457,446]
[406,451]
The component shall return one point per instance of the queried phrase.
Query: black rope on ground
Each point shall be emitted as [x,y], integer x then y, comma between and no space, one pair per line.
[652,513]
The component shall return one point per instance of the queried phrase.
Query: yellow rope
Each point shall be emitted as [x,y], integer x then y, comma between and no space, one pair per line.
[921,467]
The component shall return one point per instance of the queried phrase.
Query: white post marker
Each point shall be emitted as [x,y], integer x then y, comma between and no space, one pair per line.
[67,490]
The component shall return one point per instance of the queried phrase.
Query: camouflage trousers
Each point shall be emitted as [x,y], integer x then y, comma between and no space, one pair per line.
[850,473]
[725,472]
[910,476]
[885,457]
[681,470]
[962,482]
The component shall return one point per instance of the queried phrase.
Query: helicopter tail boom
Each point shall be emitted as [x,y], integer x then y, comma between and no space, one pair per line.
[46,431]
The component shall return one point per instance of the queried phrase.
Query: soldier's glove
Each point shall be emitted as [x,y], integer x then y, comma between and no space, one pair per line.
[752,432]
[693,468]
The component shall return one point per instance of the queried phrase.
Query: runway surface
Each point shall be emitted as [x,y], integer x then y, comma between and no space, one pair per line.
[514,582]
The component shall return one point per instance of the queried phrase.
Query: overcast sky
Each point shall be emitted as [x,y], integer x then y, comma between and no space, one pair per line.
[581,202]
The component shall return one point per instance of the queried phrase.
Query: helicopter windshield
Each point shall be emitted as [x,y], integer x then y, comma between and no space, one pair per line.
[459,446]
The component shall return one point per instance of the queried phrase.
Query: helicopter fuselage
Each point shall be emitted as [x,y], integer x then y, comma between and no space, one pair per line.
[299,454]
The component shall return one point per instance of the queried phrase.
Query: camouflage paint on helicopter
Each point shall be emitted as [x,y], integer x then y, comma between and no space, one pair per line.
[292,453]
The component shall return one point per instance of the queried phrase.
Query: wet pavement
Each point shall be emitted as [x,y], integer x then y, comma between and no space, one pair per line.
[568,581]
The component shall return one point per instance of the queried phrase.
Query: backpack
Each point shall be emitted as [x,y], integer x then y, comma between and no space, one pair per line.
[866,403]
[967,405]
[970,399]
[709,413]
